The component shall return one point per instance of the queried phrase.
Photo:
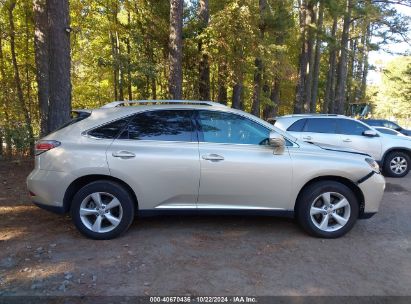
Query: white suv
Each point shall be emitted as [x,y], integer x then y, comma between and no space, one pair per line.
[393,153]
[111,164]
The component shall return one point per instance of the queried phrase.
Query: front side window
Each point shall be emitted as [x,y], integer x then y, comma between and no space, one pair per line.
[162,125]
[351,127]
[110,130]
[321,125]
[220,127]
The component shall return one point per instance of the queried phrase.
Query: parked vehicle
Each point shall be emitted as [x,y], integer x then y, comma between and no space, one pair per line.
[388,131]
[201,157]
[387,124]
[393,153]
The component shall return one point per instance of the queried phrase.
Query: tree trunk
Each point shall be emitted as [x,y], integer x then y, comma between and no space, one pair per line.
[317,59]
[303,59]
[41,47]
[272,109]
[222,83]
[310,36]
[60,64]
[5,104]
[129,85]
[340,91]
[203,66]
[365,65]
[17,80]
[255,107]
[237,91]
[175,82]
[328,106]
[115,65]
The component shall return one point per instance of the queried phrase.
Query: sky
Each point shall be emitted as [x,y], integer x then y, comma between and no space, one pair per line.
[378,58]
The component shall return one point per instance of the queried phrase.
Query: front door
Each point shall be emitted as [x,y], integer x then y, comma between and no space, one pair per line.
[238,169]
[352,136]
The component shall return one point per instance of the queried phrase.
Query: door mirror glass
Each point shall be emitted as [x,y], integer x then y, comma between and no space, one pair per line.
[370,133]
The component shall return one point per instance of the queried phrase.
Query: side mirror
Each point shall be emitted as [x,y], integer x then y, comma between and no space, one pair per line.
[370,133]
[276,141]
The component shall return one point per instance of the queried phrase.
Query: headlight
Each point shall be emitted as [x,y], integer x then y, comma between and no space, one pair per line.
[373,164]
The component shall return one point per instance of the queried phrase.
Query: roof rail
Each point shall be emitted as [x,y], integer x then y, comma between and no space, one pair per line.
[156,102]
[311,114]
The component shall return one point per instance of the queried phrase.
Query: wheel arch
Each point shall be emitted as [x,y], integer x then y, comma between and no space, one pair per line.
[80,182]
[345,181]
[395,149]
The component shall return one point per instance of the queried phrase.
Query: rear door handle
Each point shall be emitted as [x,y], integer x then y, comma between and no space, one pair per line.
[307,138]
[213,157]
[123,154]
[347,140]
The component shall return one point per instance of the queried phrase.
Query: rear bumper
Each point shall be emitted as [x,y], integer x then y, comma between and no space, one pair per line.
[373,190]
[47,188]
[54,209]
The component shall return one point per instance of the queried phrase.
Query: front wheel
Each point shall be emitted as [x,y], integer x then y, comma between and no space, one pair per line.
[102,210]
[397,164]
[327,209]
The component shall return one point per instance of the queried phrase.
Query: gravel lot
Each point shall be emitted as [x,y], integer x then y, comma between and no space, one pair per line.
[42,253]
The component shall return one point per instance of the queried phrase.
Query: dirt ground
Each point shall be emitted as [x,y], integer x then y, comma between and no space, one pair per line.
[42,253]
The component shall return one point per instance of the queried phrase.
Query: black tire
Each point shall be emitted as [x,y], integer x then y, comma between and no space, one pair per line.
[112,188]
[311,193]
[387,164]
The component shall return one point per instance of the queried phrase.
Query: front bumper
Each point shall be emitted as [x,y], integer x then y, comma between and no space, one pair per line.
[47,188]
[373,190]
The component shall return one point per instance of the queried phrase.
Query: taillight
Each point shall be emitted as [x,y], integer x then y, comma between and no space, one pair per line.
[45,145]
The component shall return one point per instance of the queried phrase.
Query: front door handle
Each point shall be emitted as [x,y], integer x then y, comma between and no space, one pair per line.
[347,140]
[123,154]
[307,138]
[213,157]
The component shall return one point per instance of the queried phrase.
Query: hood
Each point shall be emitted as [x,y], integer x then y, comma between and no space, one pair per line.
[337,148]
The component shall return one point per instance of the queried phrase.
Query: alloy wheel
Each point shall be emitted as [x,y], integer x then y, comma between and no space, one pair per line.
[330,211]
[101,212]
[398,165]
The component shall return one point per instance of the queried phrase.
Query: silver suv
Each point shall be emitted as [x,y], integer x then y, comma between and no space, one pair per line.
[113,163]
[393,153]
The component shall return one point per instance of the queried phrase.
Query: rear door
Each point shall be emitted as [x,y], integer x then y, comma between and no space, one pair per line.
[157,155]
[352,137]
[321,130]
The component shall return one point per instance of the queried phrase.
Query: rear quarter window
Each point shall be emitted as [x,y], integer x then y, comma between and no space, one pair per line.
[110,130]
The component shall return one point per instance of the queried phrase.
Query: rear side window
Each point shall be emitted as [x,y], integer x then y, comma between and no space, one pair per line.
[351,127]
[163,125]
[297,126]
[321,125]
[110,130]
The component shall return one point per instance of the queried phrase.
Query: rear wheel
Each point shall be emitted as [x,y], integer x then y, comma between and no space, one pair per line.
[396,164]
[102,210]
[327,209]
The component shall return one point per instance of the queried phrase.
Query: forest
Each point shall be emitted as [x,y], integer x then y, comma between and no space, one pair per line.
[267,57]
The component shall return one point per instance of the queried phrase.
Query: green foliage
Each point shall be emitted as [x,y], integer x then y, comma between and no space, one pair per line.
[394,97]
